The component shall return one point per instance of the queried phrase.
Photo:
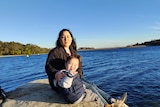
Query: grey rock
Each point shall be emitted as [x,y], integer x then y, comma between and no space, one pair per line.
[39,94]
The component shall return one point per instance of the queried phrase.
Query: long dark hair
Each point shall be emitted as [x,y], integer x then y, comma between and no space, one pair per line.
[73,44]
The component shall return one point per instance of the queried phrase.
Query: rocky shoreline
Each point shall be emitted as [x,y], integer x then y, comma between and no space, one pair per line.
[39,94]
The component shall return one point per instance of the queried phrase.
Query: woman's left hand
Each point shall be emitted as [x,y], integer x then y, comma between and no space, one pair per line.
[59,75]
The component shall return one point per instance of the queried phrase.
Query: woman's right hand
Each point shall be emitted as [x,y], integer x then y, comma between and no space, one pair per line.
[59,75]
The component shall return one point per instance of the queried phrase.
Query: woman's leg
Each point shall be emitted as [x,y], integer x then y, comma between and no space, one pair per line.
[103,96]
[91,96]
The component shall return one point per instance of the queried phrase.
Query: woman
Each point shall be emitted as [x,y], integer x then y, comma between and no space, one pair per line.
[65,47]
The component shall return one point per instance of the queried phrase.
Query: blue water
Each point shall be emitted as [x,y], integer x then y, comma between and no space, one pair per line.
[132,70]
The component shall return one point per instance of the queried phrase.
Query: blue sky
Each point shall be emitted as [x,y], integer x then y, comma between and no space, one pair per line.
[94,23]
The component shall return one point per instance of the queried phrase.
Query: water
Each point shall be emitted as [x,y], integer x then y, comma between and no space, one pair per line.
[132,70]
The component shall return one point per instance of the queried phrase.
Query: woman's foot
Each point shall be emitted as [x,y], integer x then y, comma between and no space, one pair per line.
[119,102]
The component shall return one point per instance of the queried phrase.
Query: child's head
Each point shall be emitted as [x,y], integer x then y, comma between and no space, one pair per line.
[73,62]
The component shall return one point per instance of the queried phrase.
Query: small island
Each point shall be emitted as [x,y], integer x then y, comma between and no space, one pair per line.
[86,48]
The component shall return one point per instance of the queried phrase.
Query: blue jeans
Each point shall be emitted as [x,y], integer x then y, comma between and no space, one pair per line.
[106,99]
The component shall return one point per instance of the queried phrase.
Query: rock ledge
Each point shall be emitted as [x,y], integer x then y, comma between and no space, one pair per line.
[39,94]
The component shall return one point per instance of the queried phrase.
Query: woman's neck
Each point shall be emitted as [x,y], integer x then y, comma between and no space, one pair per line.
[67,50]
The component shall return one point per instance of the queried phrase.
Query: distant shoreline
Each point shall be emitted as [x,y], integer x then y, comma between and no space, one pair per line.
[112,48]
[100,49]
[10,55]
[1,56]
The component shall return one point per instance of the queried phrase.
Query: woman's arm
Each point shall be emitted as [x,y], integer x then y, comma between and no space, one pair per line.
[55,62]
[50,64]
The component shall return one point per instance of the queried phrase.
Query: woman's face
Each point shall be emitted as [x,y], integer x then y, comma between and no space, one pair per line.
[66,39]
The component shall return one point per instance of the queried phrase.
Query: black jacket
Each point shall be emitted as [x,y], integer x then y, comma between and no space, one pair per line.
[56,61]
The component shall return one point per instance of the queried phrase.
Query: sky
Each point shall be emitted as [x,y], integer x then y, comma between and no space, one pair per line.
[93,23]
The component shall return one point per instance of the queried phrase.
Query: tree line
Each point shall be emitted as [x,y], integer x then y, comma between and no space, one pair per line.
[149,43]
[15,48]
